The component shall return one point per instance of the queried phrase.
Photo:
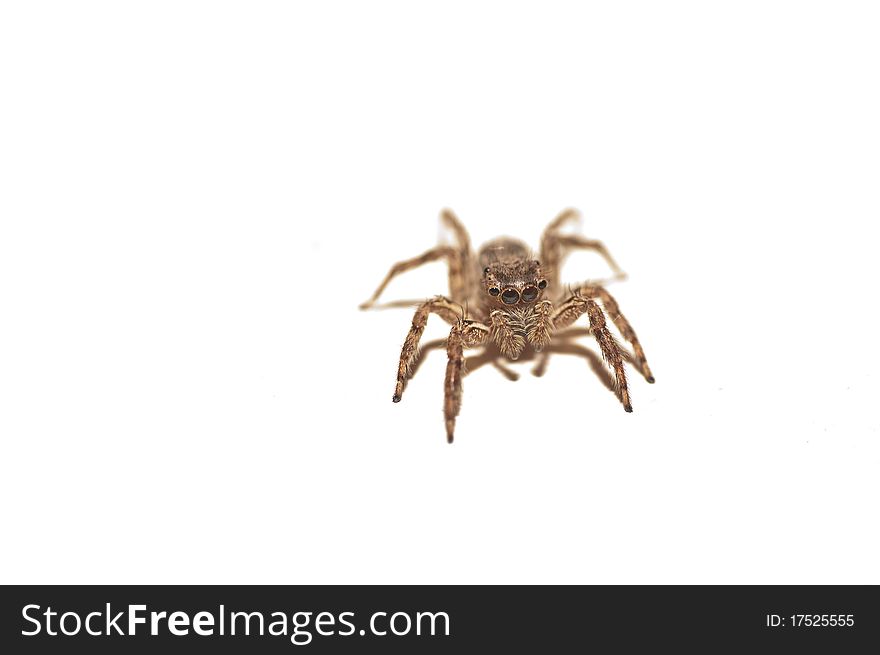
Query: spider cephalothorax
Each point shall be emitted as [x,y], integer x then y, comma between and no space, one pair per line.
[515,302]
[514,285]
[510,277]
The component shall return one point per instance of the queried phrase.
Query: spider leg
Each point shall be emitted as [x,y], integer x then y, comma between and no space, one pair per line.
[461,273]
[506,371]
[623,325]
[573,308]
[458,259]
[424,350]
[463,334]
[577,242]
[556,247]
[410,351]
[454,223]
[440,252]
[610,351]
[452,382]
[541,365]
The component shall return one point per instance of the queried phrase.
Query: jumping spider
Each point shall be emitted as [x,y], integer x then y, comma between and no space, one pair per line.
[506,297]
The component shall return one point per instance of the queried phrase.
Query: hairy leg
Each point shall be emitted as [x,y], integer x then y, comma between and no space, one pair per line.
[461,271]
[578,305]
[440,252]
[452,382]
[622,325]
[458,259]
[424,350]
[464,334]
[610,351]
[442,307]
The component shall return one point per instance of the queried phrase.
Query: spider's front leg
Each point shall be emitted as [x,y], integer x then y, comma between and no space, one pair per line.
[444,309]
[613,310]
[610,305]
[464,334]
[578,305]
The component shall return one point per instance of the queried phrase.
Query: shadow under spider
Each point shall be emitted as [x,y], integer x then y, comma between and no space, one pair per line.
[563,344]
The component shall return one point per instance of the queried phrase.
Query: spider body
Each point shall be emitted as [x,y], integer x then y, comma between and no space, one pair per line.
[510,294]
[507,300]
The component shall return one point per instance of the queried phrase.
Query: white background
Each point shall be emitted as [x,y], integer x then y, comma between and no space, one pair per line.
[196,196]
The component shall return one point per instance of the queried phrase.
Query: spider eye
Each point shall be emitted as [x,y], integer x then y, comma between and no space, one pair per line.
[542,284]
[510,296]
[529,293]
[486,271]
[494,291]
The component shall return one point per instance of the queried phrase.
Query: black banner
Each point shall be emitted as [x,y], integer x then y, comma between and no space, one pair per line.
[414,619]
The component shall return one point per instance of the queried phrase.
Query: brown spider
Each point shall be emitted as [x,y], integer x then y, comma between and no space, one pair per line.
[503,296]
